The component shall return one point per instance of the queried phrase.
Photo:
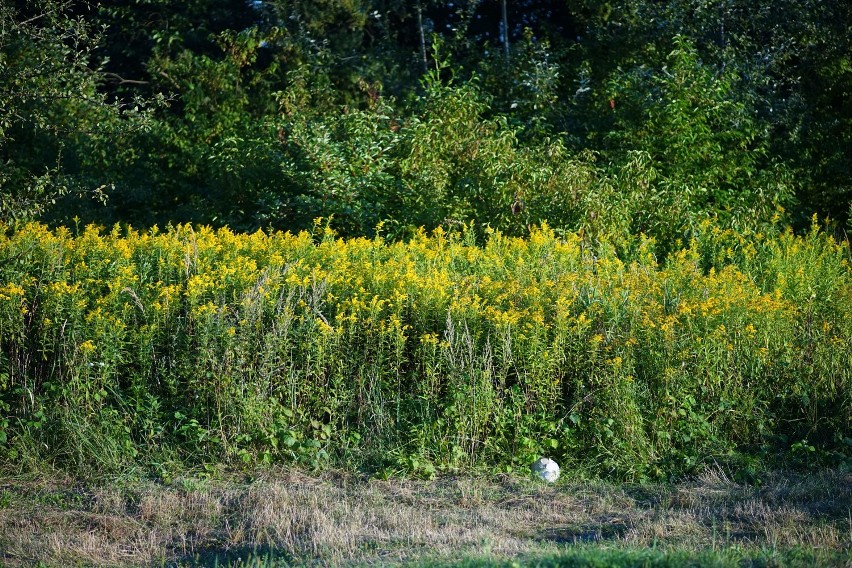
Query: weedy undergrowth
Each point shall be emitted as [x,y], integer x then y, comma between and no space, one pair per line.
[189,347]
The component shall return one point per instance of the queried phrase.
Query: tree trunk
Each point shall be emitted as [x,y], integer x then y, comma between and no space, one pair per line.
[505,31]
[422,37]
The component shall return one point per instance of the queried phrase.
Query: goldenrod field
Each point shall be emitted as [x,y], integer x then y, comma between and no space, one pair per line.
[197,347]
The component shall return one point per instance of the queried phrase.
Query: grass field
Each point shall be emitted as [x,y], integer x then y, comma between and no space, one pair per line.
[286,518]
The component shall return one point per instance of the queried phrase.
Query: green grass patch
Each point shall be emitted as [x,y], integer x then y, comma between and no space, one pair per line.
[580,556]
[598,557]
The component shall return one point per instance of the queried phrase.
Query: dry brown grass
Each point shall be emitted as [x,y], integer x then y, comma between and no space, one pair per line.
[336,518]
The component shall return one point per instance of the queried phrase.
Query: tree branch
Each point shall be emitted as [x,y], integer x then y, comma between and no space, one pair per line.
[118,79]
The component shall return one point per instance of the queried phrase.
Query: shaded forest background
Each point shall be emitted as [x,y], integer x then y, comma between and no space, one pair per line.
[617,118]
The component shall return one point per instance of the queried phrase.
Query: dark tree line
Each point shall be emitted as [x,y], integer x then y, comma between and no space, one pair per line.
[621,117]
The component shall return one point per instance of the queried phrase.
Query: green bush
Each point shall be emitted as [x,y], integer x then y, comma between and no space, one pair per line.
[198,347]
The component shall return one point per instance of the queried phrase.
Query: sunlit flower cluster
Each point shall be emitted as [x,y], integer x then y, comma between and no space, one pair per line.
[311,321]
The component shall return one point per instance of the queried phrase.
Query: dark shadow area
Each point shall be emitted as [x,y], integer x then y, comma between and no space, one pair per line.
[586,533]
[242,556]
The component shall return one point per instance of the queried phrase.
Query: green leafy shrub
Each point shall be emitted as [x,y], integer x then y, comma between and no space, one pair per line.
[704,152]
[195,346]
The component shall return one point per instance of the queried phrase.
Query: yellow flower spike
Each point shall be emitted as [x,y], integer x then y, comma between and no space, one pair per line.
[10,290]
[87,347]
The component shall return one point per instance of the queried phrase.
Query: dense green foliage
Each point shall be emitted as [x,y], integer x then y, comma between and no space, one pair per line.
[628,117]
[191,347]
[668,146]
[55,125]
